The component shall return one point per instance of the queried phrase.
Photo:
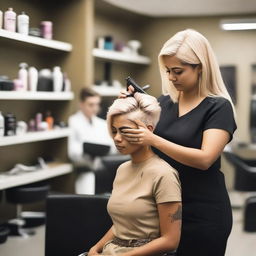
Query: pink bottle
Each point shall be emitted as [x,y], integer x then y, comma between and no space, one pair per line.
[10,20]
[46,29]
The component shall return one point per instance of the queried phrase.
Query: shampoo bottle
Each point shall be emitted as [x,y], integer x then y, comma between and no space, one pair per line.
[10,20]
[1,125]
[23,75]
[32,79]
[57,79]
[23,23]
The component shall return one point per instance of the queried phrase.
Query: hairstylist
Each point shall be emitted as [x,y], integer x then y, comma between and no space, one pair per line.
[197,121]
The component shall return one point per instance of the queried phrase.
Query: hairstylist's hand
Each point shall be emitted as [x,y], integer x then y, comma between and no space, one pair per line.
[140,136]
[124,93]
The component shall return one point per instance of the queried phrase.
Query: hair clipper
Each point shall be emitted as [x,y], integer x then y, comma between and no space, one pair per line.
[137,88]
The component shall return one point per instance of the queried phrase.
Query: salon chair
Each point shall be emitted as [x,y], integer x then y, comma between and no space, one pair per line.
[85,173]
[74,223]
[253,120]
[4,230]
[104,178]
[245,180]
[27,194]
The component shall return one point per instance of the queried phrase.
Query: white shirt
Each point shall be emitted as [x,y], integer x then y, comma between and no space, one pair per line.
[82,130]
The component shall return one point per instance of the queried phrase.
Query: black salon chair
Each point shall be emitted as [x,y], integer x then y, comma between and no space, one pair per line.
[75,223]
[253,120]
[245,180]
[26,194]
[4,230]
[104,178]
[92,153]
[245,172]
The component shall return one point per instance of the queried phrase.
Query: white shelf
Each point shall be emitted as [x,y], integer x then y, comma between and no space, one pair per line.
[27,95]
[120,56]
[105,90]
[34,136]
[53,170]
[53,44]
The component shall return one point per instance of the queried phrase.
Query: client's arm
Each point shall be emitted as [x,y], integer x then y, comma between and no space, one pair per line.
[97,248]
[170,228]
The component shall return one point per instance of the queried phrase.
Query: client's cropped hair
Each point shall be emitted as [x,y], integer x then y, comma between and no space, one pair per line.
[141,106]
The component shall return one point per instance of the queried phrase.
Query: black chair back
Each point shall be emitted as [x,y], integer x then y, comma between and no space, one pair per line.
[253,120]
[104,178]
[75,223]
[245,172]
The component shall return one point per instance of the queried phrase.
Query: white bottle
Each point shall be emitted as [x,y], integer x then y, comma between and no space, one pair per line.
[23,23]
[10,20]
[67,83]
[23,75]
[1,125]
[32,79]
[1,19]
[57,79]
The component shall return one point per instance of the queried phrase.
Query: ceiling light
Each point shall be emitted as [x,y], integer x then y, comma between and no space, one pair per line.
[238,24]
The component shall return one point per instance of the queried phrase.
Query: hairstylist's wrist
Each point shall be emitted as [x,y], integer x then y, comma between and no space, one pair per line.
[154,140]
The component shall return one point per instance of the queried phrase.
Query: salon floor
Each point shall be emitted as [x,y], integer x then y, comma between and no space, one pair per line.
[240,243]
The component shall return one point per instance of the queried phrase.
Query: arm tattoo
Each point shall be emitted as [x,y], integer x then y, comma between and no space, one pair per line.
[177,215]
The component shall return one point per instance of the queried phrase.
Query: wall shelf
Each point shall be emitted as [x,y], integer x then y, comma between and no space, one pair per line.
[27,95]
[53,170]
[105,90]
[120,56]
[53,44]
[34,136]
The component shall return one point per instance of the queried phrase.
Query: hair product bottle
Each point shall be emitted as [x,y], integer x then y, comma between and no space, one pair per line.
[9,124]
[108,45]
[23,75]
[46,29]
[32,79]
[1,125]
[1,19]
[67,83]
[49,120]
[23,23]
[10,20]
[57,79]
[18,86]
[39,119]
[101,42]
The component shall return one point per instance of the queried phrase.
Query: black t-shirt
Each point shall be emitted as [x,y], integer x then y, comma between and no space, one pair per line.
[187,130]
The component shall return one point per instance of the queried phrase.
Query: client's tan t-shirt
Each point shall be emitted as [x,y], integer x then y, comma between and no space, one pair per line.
[137,190]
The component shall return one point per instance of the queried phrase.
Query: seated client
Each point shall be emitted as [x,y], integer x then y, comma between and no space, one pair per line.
[145,204]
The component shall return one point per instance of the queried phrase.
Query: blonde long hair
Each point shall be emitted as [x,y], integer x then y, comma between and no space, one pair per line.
[193,48]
